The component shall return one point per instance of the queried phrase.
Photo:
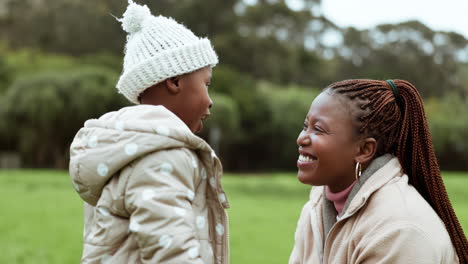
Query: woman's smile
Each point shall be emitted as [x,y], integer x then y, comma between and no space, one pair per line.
[306,160]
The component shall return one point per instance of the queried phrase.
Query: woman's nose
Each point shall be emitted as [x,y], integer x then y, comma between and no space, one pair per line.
[303,139]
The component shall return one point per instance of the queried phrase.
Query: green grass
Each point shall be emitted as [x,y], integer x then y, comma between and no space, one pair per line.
[41,219]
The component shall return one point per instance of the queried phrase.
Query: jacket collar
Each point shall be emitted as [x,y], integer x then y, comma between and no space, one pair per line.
[381,171]
[374,166]
[390,170]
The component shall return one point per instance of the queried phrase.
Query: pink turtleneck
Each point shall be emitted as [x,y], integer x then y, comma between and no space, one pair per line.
[339,198]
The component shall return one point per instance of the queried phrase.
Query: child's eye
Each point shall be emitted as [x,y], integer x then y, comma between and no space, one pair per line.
[305,126]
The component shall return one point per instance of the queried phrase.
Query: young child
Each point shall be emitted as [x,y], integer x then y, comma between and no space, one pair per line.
[380,196]
[152,188]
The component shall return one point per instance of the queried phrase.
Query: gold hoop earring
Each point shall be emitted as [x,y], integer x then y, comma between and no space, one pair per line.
[358,171]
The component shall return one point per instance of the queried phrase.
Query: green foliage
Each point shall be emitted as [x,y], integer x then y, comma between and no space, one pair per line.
[102,59]
[15,64]
[222,128]
[272,37]
[253,114]
[288,107]
[30,61]
[263,215]
[448,123]
[65,26]
[409,51]
[5,75]
[225,113]
[45,110]
[255,40]
[463,77]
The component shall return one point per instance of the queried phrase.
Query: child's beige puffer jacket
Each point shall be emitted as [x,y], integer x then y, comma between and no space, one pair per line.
[152,190]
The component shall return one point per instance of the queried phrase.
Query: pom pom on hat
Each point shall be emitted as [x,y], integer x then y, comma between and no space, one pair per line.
[134,17]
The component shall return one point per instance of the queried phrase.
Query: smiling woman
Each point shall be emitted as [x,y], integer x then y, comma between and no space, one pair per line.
[381,198]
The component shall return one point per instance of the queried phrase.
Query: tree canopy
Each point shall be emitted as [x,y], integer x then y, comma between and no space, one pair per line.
[275,55]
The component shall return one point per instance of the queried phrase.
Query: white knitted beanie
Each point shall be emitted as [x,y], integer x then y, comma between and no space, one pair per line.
[158,48]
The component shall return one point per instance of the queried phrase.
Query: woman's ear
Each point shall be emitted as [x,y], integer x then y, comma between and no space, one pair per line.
[367,150]
[173,85]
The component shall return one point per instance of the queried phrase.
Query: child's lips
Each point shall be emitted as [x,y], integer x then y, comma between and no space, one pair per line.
[200,123]
[205,117]
[200,126]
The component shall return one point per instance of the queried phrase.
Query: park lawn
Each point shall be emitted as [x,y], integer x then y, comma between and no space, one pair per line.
[41,220]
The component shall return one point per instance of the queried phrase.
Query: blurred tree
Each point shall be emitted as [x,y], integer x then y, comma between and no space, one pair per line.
[43,112]
[65,26]
[276,40]
[272,39]
[408,51]
[462,76]
[205,18]
[449,134]
[288,107]
[254,116]
[5,75]
[269,35]
[26,62]
[265,48]
[222,128]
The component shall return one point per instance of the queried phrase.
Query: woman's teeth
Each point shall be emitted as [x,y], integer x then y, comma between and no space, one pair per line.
[305,158]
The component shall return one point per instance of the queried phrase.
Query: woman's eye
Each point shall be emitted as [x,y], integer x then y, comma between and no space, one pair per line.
[318,129]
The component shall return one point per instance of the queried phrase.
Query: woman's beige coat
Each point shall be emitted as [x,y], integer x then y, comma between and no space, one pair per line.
[385,220]
[151,188]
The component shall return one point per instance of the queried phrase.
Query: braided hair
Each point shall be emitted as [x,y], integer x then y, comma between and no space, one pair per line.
[396,119]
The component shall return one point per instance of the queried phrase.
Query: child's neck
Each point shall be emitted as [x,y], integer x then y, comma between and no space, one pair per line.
[339,198]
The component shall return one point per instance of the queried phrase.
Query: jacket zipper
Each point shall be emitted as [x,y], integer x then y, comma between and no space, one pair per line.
[226,244]
[317,239]
[325,251]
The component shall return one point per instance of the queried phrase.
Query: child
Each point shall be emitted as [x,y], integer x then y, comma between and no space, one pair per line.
[383,200]
[152,188]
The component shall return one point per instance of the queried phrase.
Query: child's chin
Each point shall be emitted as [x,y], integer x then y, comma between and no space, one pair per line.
[198,128]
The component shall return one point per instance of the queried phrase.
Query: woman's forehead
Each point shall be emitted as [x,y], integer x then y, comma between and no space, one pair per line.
[329,108]
[328,105]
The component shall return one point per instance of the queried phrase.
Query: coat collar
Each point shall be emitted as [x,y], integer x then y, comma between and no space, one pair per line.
[380,172]
[376,180]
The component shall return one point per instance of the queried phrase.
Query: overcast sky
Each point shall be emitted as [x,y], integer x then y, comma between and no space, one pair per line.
[446,15]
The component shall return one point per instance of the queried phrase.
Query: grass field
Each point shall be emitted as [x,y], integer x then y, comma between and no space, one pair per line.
[41,218]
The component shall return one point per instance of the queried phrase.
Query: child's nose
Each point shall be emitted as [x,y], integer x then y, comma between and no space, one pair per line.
[211,104]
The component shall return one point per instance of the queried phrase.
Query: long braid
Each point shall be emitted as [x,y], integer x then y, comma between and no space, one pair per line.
[401,128]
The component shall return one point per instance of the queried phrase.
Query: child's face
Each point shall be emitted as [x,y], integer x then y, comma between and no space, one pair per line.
[196,100]
[327,144]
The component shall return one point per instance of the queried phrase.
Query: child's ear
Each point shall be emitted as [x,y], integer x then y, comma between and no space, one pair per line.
[173,84]
[367,150]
